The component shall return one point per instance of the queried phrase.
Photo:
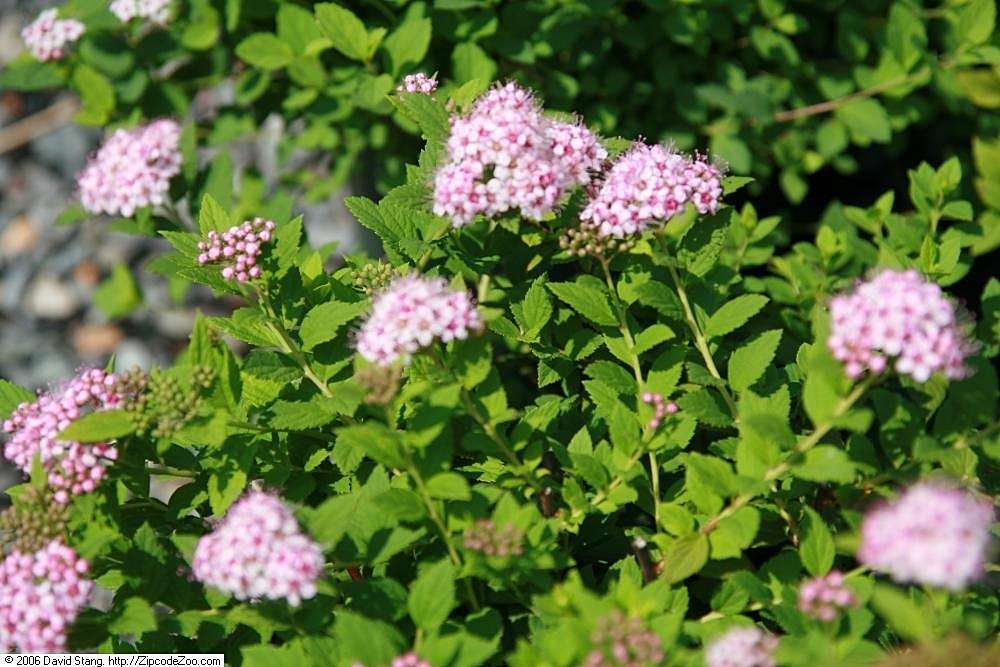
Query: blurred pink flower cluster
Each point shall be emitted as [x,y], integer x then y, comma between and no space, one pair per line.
[48,35]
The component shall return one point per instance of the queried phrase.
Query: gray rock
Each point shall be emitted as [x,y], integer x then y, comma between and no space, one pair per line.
[51,299]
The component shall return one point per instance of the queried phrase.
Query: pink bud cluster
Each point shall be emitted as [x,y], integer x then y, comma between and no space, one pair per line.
[47,36]
[418,83]
[410,314]
[932,534]
[624,642]
[410,659]
[899,315]
[132,169]
[506,154]
[40,597]
[824,597]
[258,551]
[661,408]
[72,468]
[742,647]
[648,185]
[238,247]
[155,11]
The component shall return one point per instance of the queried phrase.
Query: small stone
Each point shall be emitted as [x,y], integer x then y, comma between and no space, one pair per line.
[52,300]
[97,340]
[19,237]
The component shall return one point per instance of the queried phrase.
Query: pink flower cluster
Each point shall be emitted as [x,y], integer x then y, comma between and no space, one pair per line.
[661,408]
[506,154]
[258,551]
[72,467]
[824,597]
[156,11]
[239,247]
[418,83]
[410,659]
[648,185]
[132,169]
[742,647]
[899,315]
[40,597]
[932,534]
[410,314]
[47,36]
[624,642]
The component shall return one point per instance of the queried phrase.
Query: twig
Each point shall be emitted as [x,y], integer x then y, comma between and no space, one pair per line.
[56,115]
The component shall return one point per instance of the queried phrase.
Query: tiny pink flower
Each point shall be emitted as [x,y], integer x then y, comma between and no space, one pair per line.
[40,597]
[825,597]
[132,169]
[742,647]
[932,534]
[258,551]
[410,314]
[899,317]
[48,35]
[418,83]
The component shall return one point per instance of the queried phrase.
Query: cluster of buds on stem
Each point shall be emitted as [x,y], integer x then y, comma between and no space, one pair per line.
[34,521]
[661,408]
[381,383]
[586,240]
[374,277]
[163,404]
[486,538]
[621,641]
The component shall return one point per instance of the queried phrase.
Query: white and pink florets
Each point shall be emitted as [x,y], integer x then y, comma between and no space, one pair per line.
[742,647]
[506,154]
[258,551]
[410,314]
[72,468]
[825,597]
[238,249]
[649,185]
[41,594]
[154,11]
[932,534]
[418,83]
[899,317]
[132,169]
[48,35]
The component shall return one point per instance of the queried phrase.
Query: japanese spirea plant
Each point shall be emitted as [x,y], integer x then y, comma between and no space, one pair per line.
[584,412]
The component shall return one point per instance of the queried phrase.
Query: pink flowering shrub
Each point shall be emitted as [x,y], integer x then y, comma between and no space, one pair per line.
[587,407]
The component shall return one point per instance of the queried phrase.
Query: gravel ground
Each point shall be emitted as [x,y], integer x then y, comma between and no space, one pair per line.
[49,325]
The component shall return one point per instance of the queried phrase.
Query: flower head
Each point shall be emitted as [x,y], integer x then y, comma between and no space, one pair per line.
[824,597]
[485,537]
[661,408]
[410,314]
[621,641]
[47,36]
[71,467]
[506,154]
[418,83]
[41,594]
[155,11]
[932,534]
[409,659]
[649,185]
[258,551]
[237,248]
[132,169]
[898,315]
[742,647]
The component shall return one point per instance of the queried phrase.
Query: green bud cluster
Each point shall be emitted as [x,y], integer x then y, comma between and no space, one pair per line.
[371,278]
[166,404]
[584,241]
[380,383]
[34,521]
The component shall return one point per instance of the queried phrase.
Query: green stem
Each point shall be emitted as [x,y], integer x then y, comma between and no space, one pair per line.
[701,342]
[170,471]
[622,321]
[654,477]
[289,345]
[802,446]
[318,435]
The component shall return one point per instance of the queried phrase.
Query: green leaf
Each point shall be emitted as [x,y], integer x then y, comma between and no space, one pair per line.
[587,300]
[322,322]
[365,640]
[685,557]
[903,614]
[734,314]
[977,21]
[448,486]
[432,596]
[264,655]
[866,119]
[99,427]
[346,31]
[817,549]
[377,442]
[318,411]
[11,396]
[135,617]
[826,463]
[536,310]
[749,361]
[119,294]
[734,534]
[212,217]
[407,44]
[265,51]
[96,93]
[470,62]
